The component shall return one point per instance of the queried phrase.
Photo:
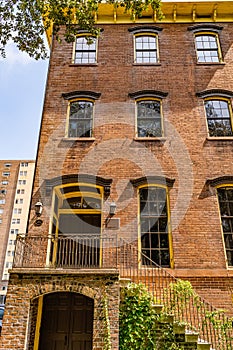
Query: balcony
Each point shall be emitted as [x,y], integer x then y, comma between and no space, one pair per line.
[86,251]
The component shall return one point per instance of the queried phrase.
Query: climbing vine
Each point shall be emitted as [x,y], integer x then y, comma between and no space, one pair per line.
[25,21]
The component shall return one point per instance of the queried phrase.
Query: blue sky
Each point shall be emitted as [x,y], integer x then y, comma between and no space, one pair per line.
[22,88]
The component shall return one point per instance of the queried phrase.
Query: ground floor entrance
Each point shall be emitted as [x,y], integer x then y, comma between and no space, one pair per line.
[67,322]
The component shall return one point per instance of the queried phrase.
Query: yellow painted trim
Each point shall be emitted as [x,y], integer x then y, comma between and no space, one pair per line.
[168,221]
[209,33]
[83,35]
[68,114]
[61,197]
[219,98]
[38,323]
[157,46]
[161,115]
[220,220]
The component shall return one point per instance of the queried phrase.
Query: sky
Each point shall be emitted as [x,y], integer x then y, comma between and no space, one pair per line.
[22,86]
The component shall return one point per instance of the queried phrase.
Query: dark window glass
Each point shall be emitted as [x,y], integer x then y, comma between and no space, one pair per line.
[149,119]
[225,197]
[218,118]
[154,226]
[80,120]
[85,50]
[207,48]
[146,49]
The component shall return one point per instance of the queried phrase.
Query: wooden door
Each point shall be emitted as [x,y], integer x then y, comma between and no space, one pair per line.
[67,322]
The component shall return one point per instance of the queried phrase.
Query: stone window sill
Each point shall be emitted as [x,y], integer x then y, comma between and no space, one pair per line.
[78,139]
[160,139]
[219,138]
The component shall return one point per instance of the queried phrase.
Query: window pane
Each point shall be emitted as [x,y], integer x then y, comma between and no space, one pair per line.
[154,226]
[218,118]
[149,119]
[207,48]
[85,51]
[225,197]
[146,49]
[81,115]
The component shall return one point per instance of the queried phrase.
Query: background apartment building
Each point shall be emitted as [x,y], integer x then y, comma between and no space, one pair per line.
[134,176]
[16,178]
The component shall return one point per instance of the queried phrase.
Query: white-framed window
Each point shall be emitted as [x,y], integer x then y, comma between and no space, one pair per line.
[20,191]
[4,182]
[23,173]
[85,51]
[15,221]
[2,201]
[25,164]
[7,165]
[1,211]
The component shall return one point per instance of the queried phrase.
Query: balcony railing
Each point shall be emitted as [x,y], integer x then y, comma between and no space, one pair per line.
[85,251]
[90,251]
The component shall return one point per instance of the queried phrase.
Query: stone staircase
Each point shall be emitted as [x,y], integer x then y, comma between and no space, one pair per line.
[186,340]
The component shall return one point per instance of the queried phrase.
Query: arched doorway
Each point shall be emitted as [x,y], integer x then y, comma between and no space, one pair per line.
[67,322]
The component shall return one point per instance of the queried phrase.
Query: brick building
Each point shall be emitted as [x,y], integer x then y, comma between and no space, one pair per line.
[134,171]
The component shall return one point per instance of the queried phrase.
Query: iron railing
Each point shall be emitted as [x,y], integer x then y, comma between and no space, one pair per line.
[90,251]
[212,325]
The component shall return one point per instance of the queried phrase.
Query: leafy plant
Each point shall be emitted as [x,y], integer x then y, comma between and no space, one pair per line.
[25,21]
[139,322]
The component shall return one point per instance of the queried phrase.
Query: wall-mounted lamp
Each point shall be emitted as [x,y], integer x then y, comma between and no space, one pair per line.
[112,209]
[38,208]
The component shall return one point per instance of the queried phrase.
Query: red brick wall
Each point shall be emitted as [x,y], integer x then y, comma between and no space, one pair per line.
[184,155]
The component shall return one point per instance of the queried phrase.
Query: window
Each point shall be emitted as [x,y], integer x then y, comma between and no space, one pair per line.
[225,198]
[2,201]
[22,182]
[149,123]
[207,48]
[146,48]
[3,191]
[20,191]
[154,226]
[17,211]
[24,164]
[85,50]
[1,211]
[15,221]
[14,231]
[219,117]
[19,201]
[23,173]
[0,221]
[7,165]
[80,118]
[6,173]
[4,182]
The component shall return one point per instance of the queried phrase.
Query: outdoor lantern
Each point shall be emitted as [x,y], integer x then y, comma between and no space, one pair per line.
[38,208]
[112,209]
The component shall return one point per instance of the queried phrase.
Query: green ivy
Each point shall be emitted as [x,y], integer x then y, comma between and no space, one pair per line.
[21,20]
[139,322]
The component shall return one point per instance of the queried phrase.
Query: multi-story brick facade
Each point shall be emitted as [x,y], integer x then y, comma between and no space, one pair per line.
[156,140]
[15,193]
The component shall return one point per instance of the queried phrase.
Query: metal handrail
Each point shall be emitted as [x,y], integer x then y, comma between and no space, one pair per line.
[212,325]
[91,251]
